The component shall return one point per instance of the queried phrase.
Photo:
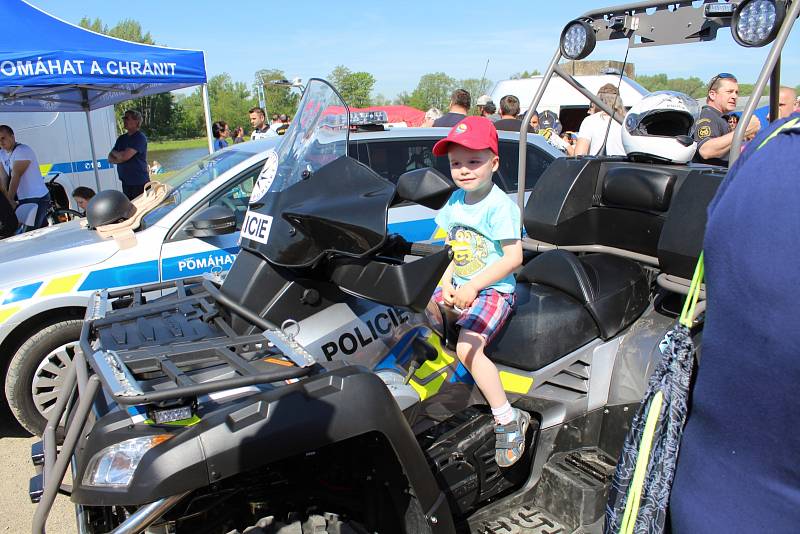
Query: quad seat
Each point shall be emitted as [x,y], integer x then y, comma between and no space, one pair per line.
[565,301]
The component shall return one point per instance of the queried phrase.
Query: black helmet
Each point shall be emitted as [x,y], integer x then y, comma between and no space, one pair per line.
[108,207]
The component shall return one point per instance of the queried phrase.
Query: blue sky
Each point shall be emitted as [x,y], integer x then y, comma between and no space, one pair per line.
[400,41]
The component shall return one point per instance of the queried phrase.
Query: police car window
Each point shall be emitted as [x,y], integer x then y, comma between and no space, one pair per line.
[391,159]
[237,196]
[192,178]
[506,175]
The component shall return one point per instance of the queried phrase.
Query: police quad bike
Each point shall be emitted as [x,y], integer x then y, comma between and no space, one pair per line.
[309,391]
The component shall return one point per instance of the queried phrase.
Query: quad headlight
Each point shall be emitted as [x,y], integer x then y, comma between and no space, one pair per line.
[577,40]
[114,466]
[756,22]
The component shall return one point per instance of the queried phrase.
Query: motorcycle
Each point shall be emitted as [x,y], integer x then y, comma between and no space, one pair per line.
[311,391]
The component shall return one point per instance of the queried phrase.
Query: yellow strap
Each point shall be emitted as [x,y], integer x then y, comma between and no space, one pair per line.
[635,490]
[694,293]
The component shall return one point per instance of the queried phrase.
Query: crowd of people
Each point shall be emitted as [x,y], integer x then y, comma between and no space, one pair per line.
[221,131]
[25,198]
[598,132]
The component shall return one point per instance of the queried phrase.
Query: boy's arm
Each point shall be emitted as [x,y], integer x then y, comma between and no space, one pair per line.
[512,258]
[447,284]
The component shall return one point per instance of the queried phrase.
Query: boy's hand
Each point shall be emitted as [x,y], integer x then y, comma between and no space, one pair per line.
[464,296]
[448,293]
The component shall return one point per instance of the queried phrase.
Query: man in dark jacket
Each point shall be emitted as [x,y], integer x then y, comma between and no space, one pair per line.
[738,468]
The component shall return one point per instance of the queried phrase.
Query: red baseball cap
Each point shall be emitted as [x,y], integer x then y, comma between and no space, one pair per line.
[475,133]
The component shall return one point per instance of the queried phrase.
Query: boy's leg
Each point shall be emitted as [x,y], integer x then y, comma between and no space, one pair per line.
[510,424]
[470,351]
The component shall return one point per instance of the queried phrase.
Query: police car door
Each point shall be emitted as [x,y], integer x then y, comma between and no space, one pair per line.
[183,256]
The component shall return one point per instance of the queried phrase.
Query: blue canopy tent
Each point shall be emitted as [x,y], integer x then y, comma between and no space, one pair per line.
[47,64]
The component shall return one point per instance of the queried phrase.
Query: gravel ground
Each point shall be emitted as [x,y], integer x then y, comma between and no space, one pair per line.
[16,510]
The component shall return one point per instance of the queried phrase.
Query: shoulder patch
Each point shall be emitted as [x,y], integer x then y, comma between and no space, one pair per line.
[703,119]
[704,131]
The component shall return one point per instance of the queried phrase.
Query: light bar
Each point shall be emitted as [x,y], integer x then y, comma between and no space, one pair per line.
[756,22]
[170,415]
[577,39]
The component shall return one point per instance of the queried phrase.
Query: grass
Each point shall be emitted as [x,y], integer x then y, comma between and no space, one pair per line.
[154,146]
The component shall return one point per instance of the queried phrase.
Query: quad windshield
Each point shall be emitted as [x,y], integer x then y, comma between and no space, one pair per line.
[317,136]
[311,199]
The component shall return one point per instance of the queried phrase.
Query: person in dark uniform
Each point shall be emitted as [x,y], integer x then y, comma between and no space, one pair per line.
[713,134]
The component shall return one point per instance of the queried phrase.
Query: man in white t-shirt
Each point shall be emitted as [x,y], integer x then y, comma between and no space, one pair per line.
[23,182]
[258,120]
[593,129]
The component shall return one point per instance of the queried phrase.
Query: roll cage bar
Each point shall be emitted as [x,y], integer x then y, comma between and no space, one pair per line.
[658,23]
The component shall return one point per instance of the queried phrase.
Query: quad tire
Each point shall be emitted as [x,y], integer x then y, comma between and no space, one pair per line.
[315,524]
[37,371]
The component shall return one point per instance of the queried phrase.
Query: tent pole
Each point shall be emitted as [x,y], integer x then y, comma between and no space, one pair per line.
[85,95]
[207,114]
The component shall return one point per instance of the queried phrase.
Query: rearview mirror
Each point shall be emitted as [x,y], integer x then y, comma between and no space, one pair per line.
[211,221]
[427,187]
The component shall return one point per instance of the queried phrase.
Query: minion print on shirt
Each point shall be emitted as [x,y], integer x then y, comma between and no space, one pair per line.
[470,250]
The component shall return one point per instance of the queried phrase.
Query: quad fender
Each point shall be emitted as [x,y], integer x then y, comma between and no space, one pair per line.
[262,429]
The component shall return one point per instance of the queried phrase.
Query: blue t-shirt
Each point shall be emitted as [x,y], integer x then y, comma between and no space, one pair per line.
[737,467]
[134,171]
[219,144]
[474,231]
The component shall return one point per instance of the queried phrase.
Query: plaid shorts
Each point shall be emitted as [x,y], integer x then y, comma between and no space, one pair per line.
[487,314]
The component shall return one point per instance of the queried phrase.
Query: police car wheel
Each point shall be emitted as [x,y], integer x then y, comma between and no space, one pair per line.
[37,371]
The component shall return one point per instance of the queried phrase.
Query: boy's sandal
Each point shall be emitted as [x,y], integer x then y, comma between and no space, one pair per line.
[510,439]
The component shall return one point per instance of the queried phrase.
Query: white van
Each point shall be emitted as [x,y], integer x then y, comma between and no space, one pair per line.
[61,144]
[561,98]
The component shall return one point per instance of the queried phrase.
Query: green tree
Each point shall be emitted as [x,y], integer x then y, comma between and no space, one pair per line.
[525,74]
[279,99]
[433,91]
[158,111]
[746,89]
[693,86]
[338,74]
[475,88]
[230,101]
[380,100]
[355,87]
[402,99]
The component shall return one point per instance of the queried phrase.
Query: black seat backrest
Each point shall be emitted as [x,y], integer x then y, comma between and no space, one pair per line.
[682,235]
[614,290]
[622,204]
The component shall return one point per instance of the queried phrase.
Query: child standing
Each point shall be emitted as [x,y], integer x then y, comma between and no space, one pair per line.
[483,228]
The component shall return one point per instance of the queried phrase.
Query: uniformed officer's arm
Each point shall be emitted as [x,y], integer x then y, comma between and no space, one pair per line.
[715,147]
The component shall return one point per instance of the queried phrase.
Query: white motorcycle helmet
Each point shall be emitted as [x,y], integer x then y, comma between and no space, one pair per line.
[660,128]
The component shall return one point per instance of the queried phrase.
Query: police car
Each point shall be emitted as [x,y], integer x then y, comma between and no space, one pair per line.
[48,274]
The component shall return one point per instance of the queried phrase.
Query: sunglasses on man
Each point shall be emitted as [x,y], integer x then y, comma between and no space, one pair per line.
[720,76]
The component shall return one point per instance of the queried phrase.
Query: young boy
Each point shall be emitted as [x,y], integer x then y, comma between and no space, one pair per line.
[483,228]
